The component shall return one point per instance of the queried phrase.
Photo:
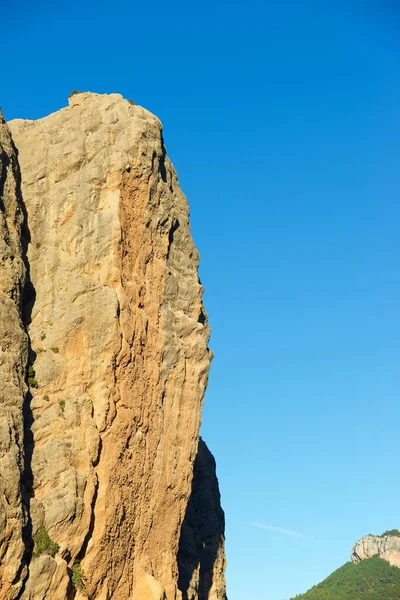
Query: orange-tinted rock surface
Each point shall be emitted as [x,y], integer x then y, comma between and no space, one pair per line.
[119,348]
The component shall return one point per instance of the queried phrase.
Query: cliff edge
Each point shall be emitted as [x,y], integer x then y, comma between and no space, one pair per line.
[118,366]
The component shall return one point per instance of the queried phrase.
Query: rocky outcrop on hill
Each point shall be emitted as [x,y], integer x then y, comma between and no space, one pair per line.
[386,547]
[119,365]
[366,577]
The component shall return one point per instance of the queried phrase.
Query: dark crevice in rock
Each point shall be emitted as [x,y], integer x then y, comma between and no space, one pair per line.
[4,163]
[89,533]
[161,166]
[175,226]
[28,301]
[202,317]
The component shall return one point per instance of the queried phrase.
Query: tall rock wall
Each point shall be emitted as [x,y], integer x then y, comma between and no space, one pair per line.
[120,359]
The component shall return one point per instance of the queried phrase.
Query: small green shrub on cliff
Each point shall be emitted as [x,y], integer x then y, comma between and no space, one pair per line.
[55,349]
[43,544]
[73,93]
[32,382]
[62,404]
[131,102]
[78,577]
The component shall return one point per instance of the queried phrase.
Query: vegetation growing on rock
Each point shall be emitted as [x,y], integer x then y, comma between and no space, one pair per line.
[32,381]
[391,532]
[78,577]
[43,544]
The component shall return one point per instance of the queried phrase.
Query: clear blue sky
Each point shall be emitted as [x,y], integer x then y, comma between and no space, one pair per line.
[282,119]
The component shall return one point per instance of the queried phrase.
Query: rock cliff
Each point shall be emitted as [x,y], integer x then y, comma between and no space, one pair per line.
[110,480]
[385,546]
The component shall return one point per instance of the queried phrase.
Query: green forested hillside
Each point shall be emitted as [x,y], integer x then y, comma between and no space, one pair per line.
[372,579]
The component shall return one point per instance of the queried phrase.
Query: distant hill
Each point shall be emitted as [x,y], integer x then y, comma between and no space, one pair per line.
[371,579]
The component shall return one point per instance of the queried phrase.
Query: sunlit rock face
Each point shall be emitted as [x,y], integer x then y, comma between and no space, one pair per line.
[386,547]
[119,352]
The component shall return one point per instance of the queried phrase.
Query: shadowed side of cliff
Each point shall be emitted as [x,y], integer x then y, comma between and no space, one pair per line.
[201,558]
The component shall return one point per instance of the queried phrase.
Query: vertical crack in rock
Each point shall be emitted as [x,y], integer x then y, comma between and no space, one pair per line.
[28,302]
[120,336]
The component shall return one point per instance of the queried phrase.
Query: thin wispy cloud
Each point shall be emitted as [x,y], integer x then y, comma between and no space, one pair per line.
[279,529]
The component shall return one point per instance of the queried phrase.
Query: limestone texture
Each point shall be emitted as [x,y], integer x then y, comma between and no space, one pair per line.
[386,547]
[119,348]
